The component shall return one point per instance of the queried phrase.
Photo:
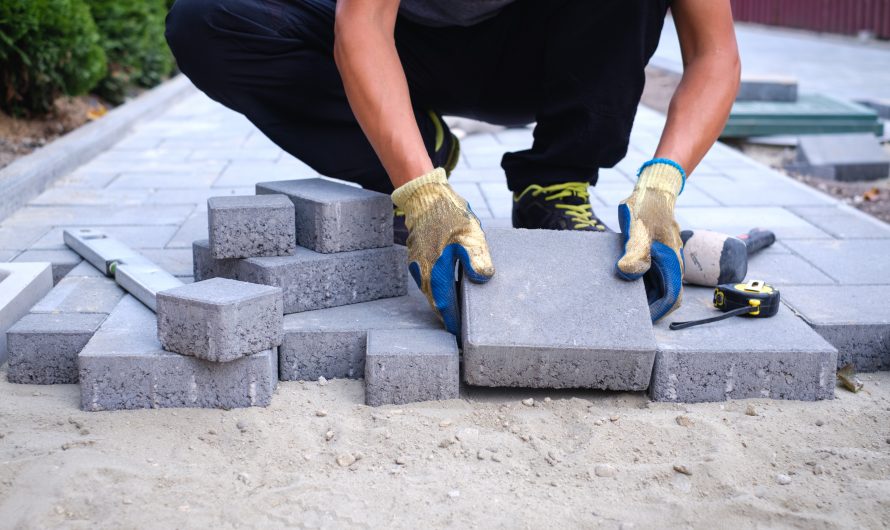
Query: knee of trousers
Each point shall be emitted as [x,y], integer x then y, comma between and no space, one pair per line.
[190,37]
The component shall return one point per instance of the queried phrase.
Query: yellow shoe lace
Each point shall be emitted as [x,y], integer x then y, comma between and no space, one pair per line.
[581,214]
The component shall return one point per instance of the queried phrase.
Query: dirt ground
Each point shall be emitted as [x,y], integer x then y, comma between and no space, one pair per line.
[18,136]
[319,458]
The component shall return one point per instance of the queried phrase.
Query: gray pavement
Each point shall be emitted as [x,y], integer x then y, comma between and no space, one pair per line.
[833,65]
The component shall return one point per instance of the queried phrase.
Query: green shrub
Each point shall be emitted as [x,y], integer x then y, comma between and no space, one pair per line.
[47,48]
[132,34]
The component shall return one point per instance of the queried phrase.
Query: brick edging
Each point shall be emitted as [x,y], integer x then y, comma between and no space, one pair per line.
[28,176]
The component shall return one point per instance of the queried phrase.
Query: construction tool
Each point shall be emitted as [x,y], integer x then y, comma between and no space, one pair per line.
[755,299]
[714,259]
[134,272]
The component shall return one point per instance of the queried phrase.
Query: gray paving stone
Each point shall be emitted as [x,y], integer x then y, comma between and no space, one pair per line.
[850,261]
[843,222]
[43,347]
[311,280]
[767,89]
[8,255]
[240,173]
[124,367]
[515,327]
[137,237]
[846,157]
[778,357]
[100,215]
[251,226]
[193,229]
[406,366]
[205,267]
[85,269]
[335,217]
[20,237]
[854,319]
[176,261]
[81,295]
[220,319]
[778,191]
[63,260]
[332,342]
[782,269]
[21,286]
[738,220]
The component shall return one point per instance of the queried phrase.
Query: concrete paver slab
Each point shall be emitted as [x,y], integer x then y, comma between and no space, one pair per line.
[332,342]
[81,295]
[854,319]
[21,286]
[778,357]
[850,262]
[846,157]
[136,237]
[555,315]
[220,319]
[334,217]
[738,220]
[251,226]
[124,367]
[205,267]
[781,269]
[843,222]
[406,366]
[62,260]
[43,347]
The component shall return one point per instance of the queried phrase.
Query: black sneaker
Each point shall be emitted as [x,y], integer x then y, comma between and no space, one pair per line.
[563,206]
[446,156]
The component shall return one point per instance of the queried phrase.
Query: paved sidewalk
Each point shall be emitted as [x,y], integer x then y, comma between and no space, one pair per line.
[151,189]
[829,64]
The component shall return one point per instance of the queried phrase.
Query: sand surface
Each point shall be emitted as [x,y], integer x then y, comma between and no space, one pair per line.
[319,458]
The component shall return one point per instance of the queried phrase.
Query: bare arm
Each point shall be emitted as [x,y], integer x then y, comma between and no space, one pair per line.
[375,83]
[701,104]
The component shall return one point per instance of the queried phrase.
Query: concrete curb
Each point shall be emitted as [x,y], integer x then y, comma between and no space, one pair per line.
[30,175]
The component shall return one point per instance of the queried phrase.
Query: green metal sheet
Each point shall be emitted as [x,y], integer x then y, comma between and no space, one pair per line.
[810,114]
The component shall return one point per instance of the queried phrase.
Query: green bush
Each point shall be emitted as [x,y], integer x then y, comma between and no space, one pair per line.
[47,48]
[132,34]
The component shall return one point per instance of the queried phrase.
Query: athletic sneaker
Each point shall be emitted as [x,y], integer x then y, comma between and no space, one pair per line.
[563,206]
[446,155]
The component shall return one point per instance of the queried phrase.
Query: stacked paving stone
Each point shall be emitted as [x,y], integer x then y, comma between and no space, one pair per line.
[345,293]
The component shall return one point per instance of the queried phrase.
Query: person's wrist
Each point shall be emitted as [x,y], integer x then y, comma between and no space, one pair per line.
[421,191]
[662,174]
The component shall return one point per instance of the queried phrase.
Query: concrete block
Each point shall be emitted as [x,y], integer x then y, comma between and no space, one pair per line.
[206,267]
[555,315]
[124,367]
[21,286]
[311,280]
[843,222]
[851,261]
[250,226]
[854,319]
[43,347]
[405,366]
[219,319]
[81,295]
[767,88]
[332,342]
[778,357]
[334,217]
[62,260]
[846,157]
[738,220]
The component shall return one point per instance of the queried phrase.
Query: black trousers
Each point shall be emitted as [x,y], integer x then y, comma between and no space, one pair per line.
[573,66]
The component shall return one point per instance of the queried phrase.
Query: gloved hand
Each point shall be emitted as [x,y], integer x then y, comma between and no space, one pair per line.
[442,230]
[652,245]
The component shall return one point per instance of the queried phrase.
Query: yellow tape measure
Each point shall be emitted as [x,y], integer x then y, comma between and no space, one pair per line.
[756,299]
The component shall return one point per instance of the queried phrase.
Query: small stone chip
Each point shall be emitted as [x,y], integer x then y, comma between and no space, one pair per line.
[782,479]
[680,468]
[345,460]
[321,413]
[530,402]
[751,411]
[605,470]
[685,421]
[328,436]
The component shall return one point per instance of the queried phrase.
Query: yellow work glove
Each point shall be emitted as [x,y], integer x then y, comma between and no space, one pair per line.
[652,244]
[442,231]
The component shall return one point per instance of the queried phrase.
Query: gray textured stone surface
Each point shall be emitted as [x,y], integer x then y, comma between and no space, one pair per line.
[219,319]
[124,367]
[778,357]
[845,157]
[311,280]
[63,260]
[844,222]
[206,267]
[21,286]
[43,347]
[250,226]
[334,217]
[851,261]
[767,88]
[332,342]
[555,315]
[854,319]
[405,366]
[81,295]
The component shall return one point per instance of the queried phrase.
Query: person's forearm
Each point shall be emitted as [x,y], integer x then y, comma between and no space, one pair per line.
[699,109]
[377,90]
